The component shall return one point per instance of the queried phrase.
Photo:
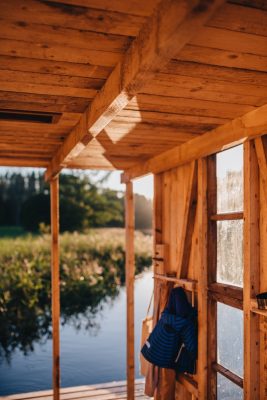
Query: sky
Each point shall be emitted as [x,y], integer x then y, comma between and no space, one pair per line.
[142,186]
[231,159]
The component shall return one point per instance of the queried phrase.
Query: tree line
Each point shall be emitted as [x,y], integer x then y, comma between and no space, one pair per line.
[84,203]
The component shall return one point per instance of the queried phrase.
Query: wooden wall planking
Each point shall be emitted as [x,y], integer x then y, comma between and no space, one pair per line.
[171,197]
[166,380]
[175,193]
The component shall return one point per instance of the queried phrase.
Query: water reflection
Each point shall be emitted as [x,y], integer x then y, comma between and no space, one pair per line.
[26,319]
[88,356]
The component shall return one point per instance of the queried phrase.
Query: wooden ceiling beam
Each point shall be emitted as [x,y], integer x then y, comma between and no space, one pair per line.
[23,162]
[249,126]
[168,30]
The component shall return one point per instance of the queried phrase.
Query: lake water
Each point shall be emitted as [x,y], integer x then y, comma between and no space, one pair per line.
[88,355]
[97,353]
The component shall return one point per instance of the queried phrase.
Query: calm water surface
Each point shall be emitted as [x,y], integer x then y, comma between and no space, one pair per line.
[88,355]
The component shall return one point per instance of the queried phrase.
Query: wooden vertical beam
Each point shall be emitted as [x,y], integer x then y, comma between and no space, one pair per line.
[130,269]
[188,223]
[251,272]
[263,287]
[157,210]
[212,272]
[261,151]
[54,198]
[165,377]
[202,280]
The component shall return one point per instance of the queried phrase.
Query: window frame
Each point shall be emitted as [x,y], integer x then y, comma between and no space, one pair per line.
[218,292]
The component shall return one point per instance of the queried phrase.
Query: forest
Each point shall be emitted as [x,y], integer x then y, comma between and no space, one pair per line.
[84,203]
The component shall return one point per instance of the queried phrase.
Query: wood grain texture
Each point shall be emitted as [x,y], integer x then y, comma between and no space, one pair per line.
[237,380]
[202,270]
[71,16]
[250,125]
[223,58]
[129,274]
[177,22]
[44,66]
[102,391]
[212,276]
[241,19]
[188,223]
[54,195]
[251,272]
[129,7]
[263,279]
[260,146]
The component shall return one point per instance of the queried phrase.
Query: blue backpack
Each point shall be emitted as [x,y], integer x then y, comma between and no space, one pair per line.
[173,341]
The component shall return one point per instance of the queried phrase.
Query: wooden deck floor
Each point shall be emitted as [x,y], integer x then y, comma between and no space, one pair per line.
[103,391]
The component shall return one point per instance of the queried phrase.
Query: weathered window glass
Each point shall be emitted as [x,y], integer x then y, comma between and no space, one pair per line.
[230,252]
[229,171]
[227,390]
[230,338]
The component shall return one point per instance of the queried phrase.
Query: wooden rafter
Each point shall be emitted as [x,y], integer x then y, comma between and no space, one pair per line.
[168,30]
[248,126]
[71,147]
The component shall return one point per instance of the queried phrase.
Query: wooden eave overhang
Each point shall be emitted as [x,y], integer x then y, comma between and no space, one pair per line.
[136,86]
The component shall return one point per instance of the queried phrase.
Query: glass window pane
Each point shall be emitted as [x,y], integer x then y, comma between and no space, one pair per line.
[230,338]
[227,390]
[229,170]
[230,252]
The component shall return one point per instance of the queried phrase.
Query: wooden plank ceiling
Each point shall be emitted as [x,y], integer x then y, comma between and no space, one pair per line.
[55,56]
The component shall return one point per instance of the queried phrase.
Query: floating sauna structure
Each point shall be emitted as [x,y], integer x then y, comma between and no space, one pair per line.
[151,87]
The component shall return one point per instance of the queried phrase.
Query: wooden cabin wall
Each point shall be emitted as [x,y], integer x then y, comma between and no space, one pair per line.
[175,197]
[255,379]
[263,287]
[180,224]
[263,271]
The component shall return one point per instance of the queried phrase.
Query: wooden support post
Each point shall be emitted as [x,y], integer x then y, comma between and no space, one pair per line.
[189,222]
[261,150]
[54,197]
[130,268]
[263,269]
[165,377]
[212,272]
[202,280]
[251,272]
